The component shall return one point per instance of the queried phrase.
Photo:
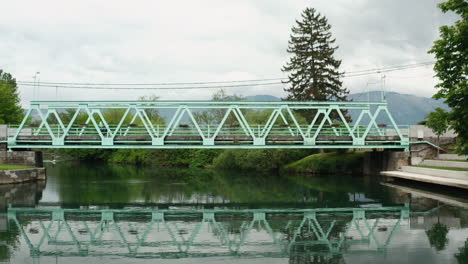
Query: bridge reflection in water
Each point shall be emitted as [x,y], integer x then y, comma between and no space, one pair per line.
[186,233]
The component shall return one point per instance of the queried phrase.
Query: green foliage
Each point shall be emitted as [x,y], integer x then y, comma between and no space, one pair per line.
[203,157]
[313,72]
[451,67]
[437,121]
[10,108]
[257,159]
[422,122]
[437,236]
[441,168]
[462,255]
[329,163]
[156,157]
[87,154]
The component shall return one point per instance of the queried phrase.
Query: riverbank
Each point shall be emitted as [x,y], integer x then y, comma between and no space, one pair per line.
[441,171]
[260,160]
[231,159]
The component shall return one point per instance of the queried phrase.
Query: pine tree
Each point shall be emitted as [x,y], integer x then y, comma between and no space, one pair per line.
[313,72]
[10,108]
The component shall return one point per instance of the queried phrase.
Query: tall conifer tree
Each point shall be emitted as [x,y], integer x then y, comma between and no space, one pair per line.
[313,72]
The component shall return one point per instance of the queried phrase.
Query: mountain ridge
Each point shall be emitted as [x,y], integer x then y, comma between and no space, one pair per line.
[406,109]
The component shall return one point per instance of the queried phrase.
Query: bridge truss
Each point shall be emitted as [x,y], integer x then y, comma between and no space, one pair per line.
[206,233]
[206,124]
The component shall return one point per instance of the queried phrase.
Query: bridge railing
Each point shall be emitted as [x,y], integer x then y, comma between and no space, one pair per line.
[77,130]
[284,125]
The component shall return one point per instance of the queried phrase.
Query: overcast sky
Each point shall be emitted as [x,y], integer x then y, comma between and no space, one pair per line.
[216,40]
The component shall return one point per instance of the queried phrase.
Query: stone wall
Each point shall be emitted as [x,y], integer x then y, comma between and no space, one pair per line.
[420,152]
[377,161]
[28,158]
[23,175]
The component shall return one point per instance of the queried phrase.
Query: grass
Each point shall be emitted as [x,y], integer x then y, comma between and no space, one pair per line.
[13,167]
[440,168]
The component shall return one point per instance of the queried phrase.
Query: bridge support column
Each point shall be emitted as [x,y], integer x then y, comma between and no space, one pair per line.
[28,158]
[377,161]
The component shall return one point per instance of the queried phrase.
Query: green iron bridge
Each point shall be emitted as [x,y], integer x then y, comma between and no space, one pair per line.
[205,124]
[182,233]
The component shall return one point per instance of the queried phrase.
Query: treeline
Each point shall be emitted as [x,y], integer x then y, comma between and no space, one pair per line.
[238,159]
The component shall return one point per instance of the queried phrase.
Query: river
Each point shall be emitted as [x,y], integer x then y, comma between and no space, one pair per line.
[108,213]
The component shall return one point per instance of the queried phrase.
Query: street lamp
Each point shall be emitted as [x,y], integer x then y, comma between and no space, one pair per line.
[36,85]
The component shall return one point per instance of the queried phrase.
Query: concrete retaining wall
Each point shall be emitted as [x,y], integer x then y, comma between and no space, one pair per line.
[28,158]
[377,161]
[463,175]
[446,163]
[423,132]
[452,157]
[23,175]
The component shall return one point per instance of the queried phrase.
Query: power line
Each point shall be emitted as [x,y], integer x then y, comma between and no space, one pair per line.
[151,88]
[252,82]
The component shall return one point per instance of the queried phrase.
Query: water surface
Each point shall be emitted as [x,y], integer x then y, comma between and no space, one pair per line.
[101,213]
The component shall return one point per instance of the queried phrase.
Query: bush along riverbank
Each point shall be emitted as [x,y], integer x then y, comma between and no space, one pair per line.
[262,160]
[155,157]
[328,163]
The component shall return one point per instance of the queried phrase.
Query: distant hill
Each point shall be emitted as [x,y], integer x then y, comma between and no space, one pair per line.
[406,109]
[262,98]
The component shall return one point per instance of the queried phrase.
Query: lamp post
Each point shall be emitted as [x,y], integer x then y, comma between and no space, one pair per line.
[36,85]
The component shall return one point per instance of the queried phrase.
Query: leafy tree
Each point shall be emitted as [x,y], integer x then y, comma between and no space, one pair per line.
[10,108]
[153,114]
[313,72]
[437,236]
[437,121]
[422,122]
[215,116]
[451,67]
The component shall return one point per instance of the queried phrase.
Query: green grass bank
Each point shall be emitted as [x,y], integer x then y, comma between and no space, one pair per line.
[328,163]
[13,167]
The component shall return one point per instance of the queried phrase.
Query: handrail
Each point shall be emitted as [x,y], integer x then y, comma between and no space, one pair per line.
[428,143]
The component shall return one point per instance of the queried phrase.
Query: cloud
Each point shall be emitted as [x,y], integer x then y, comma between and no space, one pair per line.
[212,40]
